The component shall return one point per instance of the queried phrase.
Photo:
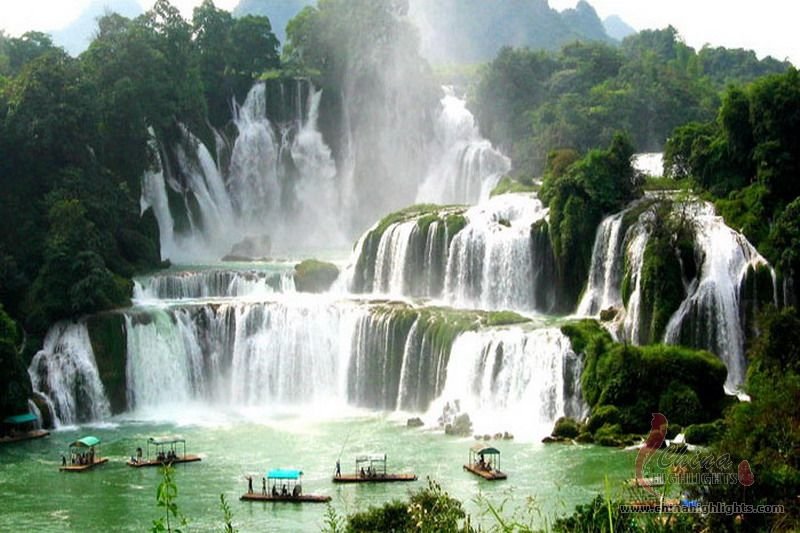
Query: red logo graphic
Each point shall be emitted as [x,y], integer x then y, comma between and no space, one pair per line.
[746,477]
[658,432]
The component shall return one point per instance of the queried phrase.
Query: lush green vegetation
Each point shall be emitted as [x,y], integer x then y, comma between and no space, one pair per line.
[748,160]
[74,146]
[580,192]
[14,382]
[531,102]
[624,384]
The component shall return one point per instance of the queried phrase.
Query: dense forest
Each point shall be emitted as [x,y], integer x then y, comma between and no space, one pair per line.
[74,144]
[77,134]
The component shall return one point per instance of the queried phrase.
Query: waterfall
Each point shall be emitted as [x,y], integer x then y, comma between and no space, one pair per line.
[486,257]
[464,167]
[710,317]
[212,283]
[490,262]
[513,380]
[65,372]
[605,272]
[255,354]
[272,183]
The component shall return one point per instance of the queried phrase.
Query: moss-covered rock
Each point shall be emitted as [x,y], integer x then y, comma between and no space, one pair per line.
[566,427]
[638,381]
[609,435]
[314,276]
[703,434]
[601,416]
[109,344]
[509,184]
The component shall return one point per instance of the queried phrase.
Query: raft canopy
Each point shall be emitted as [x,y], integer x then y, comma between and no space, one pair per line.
[86,442]
[284,473]
[371,458]
[25,418]
[169,439]
[482,449]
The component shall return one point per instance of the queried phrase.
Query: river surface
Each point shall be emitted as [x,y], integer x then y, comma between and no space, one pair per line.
[233,445]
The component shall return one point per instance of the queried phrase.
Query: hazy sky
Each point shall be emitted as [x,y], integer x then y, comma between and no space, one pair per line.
[766,26]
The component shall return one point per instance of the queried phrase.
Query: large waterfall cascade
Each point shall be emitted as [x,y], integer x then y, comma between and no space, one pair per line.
[241,337]
[710,316]
[65,372]
[489,263]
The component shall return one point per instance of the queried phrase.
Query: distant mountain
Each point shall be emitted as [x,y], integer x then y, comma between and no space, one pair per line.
[279,12]
[616,28]
[469,31]
[75,38]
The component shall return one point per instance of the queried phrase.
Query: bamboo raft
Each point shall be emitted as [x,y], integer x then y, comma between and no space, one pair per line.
[81,468]
[300,498]
[490,475]
[377,478]
[156,462]
[27,435]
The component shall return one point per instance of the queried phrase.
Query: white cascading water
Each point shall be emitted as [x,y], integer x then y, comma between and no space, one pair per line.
[710,316]
[489,264]
[248,195]
[605,271]
[212,283]
[513,380]
[464,166]
[64,371]
[649,163]
[490,261]
[711,312]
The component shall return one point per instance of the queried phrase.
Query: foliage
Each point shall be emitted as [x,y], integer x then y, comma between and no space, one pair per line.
[74,144]
[579,194]
[227,515]
[15,388]
[166,495]
[765,431]
[510,185]
[668,253]
[530,102]
[624,384]
[566,427]
[748,160]
[428,509]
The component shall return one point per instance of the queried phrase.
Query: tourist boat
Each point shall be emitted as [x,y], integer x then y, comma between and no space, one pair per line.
[166,450]
[370,469]
[481,466]
[21,427]
[281,485]
[84,454]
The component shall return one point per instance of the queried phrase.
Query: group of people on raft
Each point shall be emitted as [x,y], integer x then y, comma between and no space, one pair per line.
[297,490]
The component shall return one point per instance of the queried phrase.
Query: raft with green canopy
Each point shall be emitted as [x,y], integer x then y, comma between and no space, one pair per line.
[484,461]
[370,468]
[21,427]
[281,485]
[166,450]
[84,454]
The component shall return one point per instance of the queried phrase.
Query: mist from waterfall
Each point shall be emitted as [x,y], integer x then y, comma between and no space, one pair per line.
[276,186]
[464,166]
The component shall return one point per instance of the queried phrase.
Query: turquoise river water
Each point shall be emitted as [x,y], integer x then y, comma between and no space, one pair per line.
[546,480]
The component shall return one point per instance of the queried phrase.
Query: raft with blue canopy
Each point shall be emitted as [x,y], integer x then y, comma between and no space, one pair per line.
[281,485]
